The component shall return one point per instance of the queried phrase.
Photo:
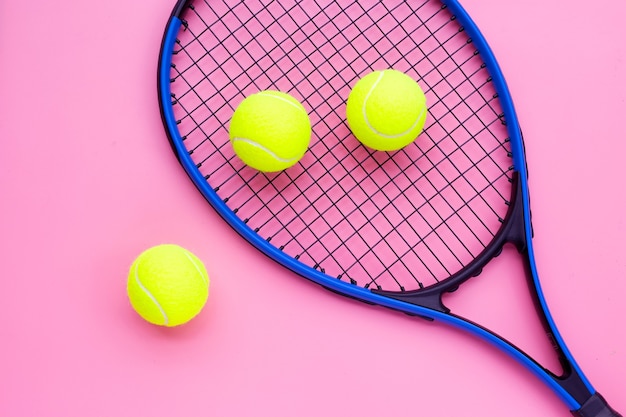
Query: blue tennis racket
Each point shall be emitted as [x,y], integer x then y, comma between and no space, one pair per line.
[396,229]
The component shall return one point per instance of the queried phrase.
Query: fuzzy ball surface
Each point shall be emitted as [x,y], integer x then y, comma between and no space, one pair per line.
[270,131]
[167,285]
[386,110]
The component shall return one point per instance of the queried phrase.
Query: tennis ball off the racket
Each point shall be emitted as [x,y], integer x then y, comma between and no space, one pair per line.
[270,131]
[386,110]
[167,285]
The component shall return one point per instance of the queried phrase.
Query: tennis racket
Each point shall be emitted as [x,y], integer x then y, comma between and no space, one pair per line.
[396,229]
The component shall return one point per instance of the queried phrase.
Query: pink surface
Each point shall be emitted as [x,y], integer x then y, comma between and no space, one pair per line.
[87,181]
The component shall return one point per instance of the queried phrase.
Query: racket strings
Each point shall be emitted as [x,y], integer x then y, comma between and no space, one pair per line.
[383,238]
[395,221]
[196,39]
[410,247]
[390,204]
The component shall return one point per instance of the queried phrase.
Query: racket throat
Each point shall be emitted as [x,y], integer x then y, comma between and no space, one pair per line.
[513,231]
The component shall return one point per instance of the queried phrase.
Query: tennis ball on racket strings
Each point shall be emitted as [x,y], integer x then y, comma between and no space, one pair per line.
[270,131]
[386,110]
[167,285]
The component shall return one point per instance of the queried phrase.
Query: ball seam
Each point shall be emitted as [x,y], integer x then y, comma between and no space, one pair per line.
[263,148]
[197,267]
[268,94]
[376,131]
[149,294]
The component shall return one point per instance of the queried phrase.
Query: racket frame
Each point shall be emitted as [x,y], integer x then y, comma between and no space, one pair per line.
[572,387]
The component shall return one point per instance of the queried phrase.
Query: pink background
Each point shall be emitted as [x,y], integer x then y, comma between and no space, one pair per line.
[87,181]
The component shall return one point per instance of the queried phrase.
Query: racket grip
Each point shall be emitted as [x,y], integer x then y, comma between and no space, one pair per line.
[596,406]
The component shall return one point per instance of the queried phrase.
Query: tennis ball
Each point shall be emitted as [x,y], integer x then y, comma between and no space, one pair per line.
[270,131]
[167,285]
[386,110]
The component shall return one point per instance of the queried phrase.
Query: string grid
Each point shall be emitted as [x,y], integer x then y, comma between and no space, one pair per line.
[396,221]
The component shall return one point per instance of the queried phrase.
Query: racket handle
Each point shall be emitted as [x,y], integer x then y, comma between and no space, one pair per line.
[596,406]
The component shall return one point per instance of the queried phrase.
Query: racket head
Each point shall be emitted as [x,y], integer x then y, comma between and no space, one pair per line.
[405,206]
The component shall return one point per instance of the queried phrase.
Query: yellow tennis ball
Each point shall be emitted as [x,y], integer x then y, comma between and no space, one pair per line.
[270,131]
[167,285]
[386,110]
